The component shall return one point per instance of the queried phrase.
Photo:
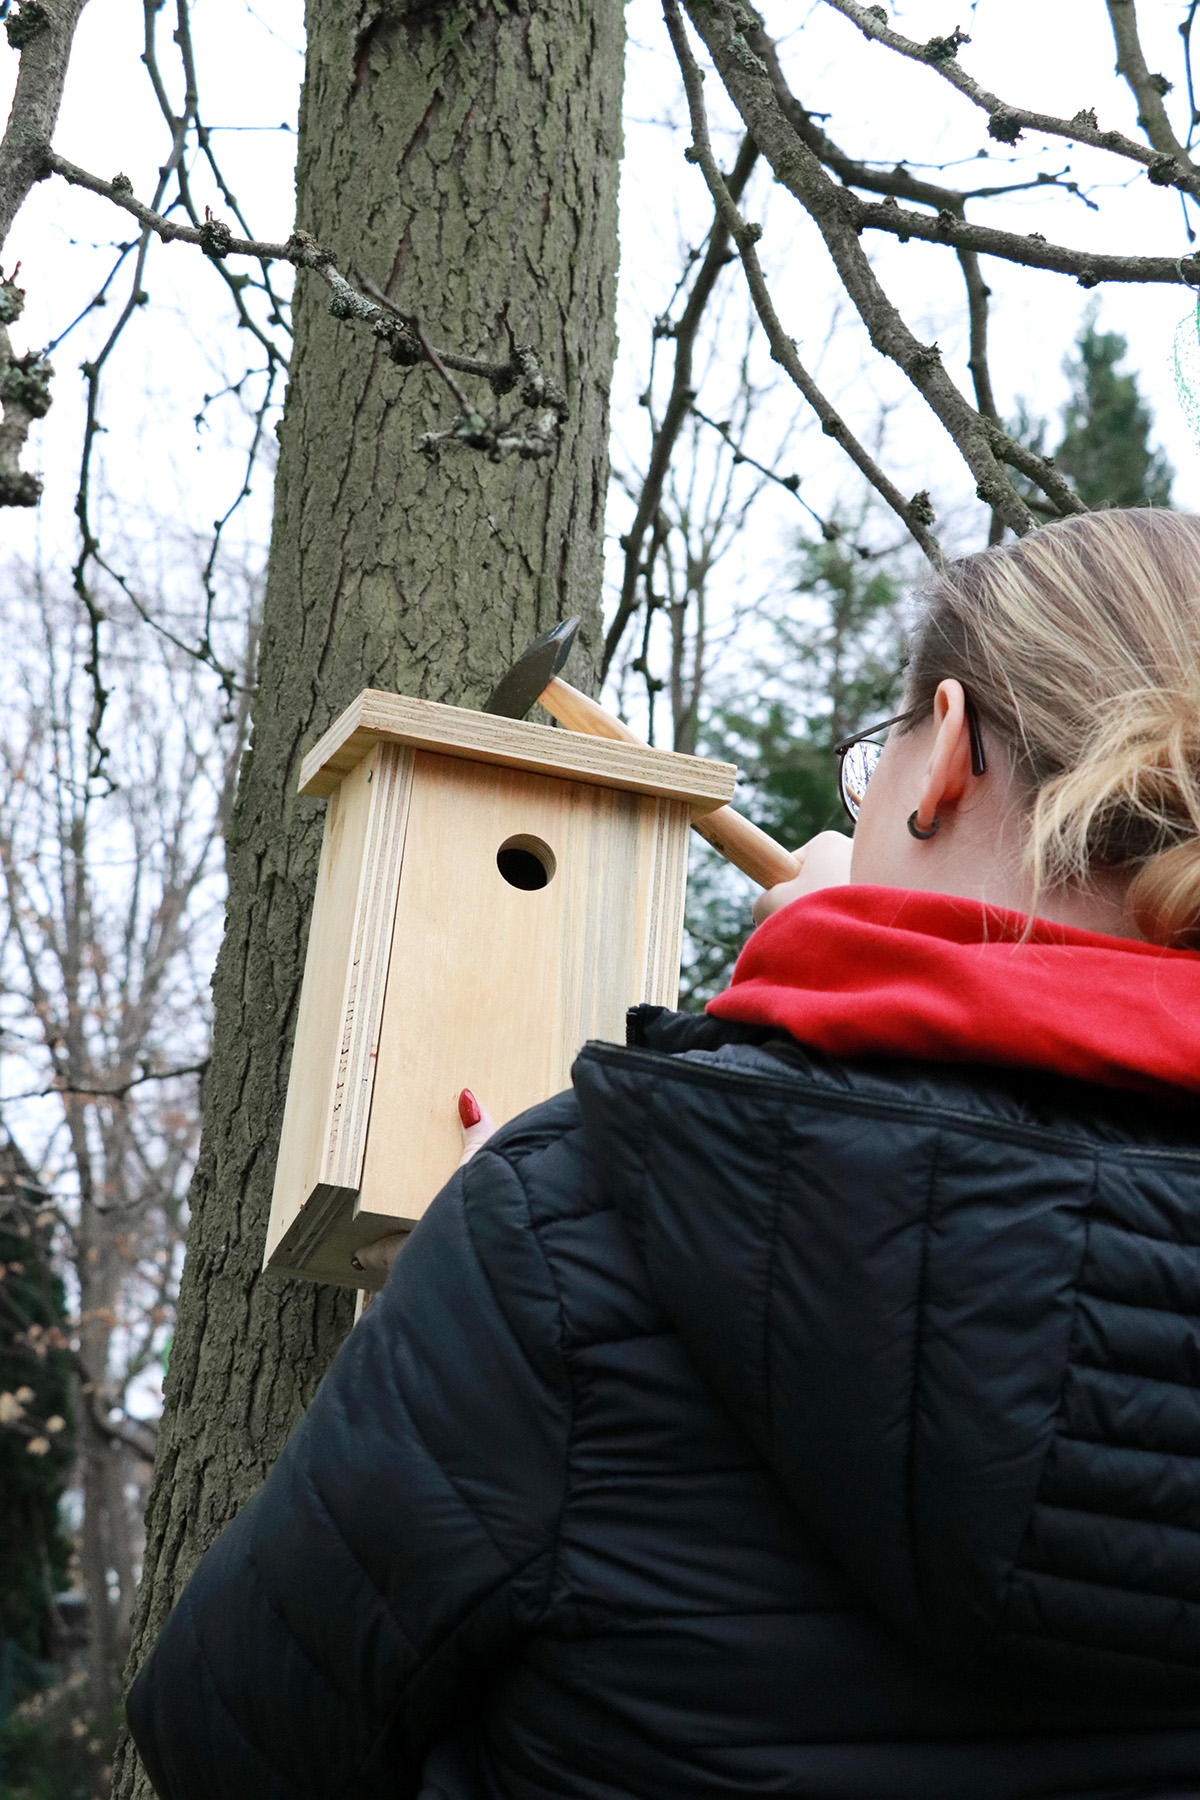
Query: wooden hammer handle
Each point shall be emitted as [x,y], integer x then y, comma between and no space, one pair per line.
[735,837]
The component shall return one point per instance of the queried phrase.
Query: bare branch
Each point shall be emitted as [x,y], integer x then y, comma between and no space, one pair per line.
[747,81]
[1006,122]
[214,238]
[138,1435]
[951,226]
[1147,89]
[1039,469]
[978,295]
[678,403]
[117,1092]
[916,513]
[401,332]
[24,396]
[43,34]
[1031,250]
[897,180]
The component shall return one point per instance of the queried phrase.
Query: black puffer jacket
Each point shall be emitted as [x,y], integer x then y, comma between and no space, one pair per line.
[743,1423]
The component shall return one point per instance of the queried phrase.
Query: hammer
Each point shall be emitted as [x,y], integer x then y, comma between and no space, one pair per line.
[534,677]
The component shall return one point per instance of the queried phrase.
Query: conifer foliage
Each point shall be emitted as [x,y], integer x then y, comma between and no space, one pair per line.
[830,663]
[1105,449]
[36,1456]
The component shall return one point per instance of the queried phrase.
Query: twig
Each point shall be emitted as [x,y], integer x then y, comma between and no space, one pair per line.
[748,84]
[1007,122]
[184,40]
[678,403]
[1147,89]
[402,334]
[916,514]
[1032,251]
[118,1092]
[791,483]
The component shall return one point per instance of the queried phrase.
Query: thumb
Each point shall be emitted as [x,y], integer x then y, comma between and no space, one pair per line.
[477,1125]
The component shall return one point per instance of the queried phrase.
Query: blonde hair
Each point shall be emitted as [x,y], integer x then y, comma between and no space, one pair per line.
[1080,649]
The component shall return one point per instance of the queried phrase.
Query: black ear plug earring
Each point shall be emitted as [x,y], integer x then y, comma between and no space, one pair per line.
[916,830]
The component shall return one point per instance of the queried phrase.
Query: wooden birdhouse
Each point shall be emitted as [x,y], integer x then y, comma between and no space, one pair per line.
[491,894]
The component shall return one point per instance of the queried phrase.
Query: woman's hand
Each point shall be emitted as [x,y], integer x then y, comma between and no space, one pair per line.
[477,1124]
[477,1127]
[826,860]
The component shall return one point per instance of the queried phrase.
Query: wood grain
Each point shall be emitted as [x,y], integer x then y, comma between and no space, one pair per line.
[493,987]
[509,743]
[341,1000]
[735,837]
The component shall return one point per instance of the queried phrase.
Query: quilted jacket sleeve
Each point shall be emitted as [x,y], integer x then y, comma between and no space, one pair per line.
[400,1547]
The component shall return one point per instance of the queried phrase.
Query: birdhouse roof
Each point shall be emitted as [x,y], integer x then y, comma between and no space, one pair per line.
[513,744]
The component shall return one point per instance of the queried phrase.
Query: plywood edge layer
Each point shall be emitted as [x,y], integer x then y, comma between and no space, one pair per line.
[383,853]
[700,783]
[668,887]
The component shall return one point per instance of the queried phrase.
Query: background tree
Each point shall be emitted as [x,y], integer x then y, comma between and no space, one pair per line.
[830,661]
[1105,447]
[36,1442]
[112,898]
[41,1757]
[492,139]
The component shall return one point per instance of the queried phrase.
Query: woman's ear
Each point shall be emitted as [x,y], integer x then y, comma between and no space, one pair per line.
[949,767]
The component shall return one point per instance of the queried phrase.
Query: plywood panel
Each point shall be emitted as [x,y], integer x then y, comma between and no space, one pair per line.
[341,1000]
[510,743]
[495,988]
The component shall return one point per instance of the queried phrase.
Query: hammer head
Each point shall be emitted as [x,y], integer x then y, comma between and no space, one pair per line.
[531,673]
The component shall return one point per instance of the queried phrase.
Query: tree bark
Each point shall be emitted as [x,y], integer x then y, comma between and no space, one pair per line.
[44,36]
[45,46]
[464,157]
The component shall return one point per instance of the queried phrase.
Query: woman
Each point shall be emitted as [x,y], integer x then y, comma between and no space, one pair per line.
[808,1403]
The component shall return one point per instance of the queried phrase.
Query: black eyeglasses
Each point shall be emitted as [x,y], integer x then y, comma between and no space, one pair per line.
[858,755]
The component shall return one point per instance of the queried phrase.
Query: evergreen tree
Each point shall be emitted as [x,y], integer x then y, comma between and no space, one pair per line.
[36,1457]
[833,663]
[36,1453]
[1105,449]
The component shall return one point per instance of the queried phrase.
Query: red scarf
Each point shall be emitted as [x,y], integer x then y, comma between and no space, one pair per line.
[874,971]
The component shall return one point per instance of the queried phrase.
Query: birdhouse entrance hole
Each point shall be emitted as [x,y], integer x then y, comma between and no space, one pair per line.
[526,862]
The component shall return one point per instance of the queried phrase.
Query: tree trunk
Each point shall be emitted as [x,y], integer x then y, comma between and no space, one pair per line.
[464,157]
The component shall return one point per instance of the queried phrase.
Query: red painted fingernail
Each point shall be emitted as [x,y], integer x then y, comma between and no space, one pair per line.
[468,1109]
[355,1264]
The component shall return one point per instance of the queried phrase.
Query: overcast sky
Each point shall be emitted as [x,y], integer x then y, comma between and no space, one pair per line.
[1059,57]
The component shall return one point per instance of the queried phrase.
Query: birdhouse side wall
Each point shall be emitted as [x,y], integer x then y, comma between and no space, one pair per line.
[341,1001]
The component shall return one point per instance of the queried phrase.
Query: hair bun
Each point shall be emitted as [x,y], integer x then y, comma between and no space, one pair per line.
[1164,897]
